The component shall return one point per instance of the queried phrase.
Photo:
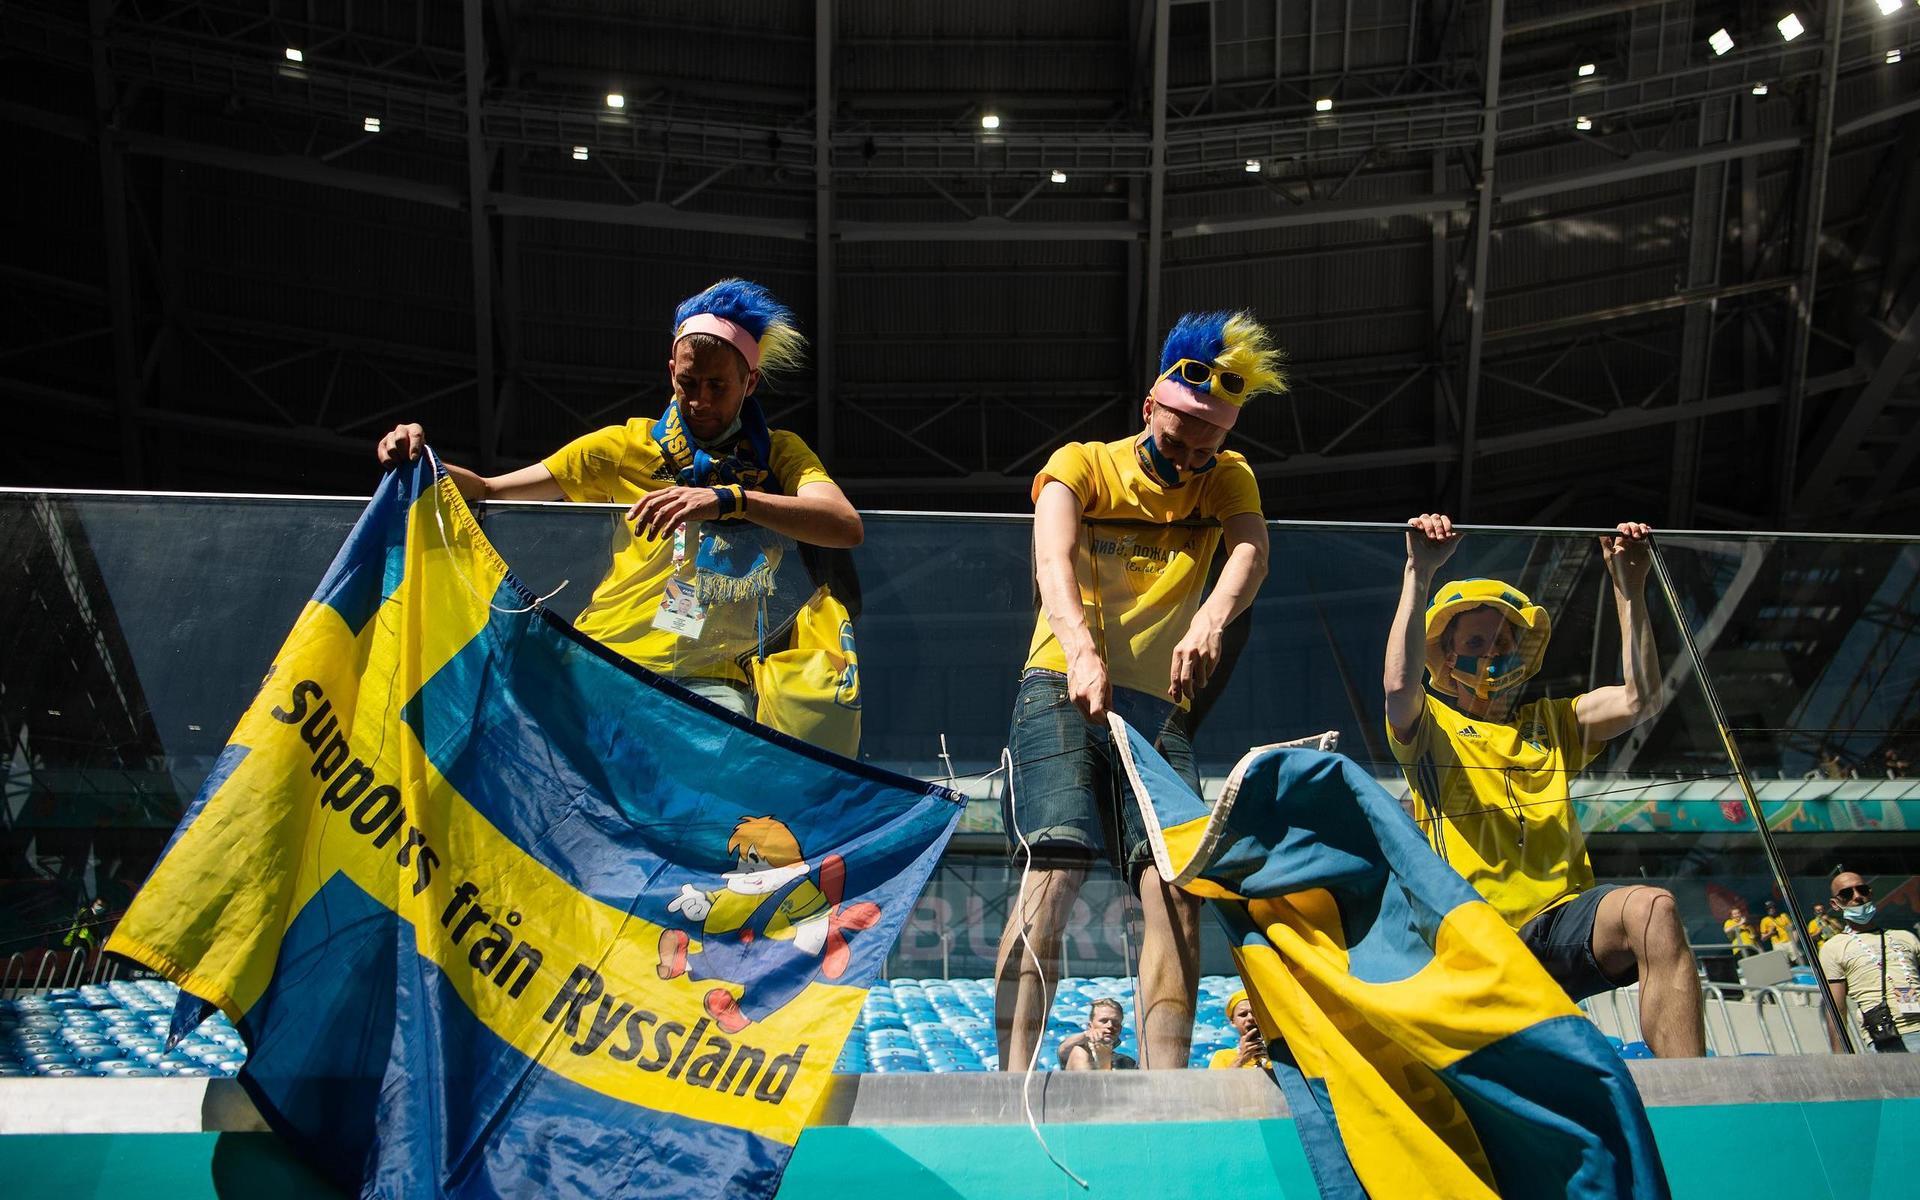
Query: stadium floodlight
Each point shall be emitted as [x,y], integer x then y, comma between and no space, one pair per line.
[1759,89]
[1720,40]
[989,121]
[295,55]
[1587,69]
[1583,123]
[579,154]
[1323,104]
[1893,56]
[1058,176]
[1790,26]
[616,100]
[1890,7]
[1253,166]
[371,124]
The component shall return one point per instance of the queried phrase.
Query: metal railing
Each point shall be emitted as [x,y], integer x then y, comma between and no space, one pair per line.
[1740,1018]
[43,970]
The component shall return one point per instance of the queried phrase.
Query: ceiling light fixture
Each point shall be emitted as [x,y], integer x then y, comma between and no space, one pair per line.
[1759,89]
[1893,56]
[990,121]
[579,154]
[1323,104]
[1586,69]
[1583,123]
[1890,7]
[1790,26]
[1058,176]
[295,55]
[1253,166]
[371,124]
[1720,40]
[616,100]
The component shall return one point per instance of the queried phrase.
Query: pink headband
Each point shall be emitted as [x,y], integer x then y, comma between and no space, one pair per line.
[1183,399]
[733,334]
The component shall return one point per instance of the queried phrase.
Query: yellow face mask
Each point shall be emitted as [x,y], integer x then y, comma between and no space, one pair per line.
[1487,675]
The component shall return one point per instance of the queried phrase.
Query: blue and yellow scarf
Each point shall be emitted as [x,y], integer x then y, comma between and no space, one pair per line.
[736,562]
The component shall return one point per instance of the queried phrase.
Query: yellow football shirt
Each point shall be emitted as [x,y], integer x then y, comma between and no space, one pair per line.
[619,465]
[1492,798]
[1776,930]
[1229,1059]
[1139,587]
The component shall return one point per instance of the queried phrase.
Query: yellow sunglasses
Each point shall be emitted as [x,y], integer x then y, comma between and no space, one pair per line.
[1193,371]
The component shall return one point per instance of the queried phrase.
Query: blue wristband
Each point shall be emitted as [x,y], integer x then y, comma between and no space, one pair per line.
[733,501]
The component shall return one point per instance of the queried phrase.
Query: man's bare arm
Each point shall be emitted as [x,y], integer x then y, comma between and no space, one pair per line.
[1431,540]
[1606,713]
[820,515]
[1056,537]
[1198,654]
[407,442]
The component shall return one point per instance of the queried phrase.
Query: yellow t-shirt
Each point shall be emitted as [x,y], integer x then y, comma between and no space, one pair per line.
[1229,1059]
[1506,821]
[618,465]
[1739,934]
[1776,931]
[1139,587]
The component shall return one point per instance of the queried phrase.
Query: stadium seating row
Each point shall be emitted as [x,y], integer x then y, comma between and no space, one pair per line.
[117,1030]
[935,1026]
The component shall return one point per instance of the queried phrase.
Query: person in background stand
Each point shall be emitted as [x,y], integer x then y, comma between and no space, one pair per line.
[1776,931]
[1093,1049]
[1741,934]
[1251,1053]
[1878,968]
[1823,926]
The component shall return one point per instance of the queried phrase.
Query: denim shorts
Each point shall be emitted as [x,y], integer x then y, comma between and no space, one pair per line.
[1068,796]
[1562,939]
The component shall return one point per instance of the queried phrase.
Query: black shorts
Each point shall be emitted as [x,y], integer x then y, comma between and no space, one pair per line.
[1562,939]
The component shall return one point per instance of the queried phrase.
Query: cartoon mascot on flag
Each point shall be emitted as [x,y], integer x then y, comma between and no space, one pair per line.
[767,928]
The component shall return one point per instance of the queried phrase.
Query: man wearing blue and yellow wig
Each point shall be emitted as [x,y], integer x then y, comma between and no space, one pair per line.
[1489,776]
[711,490]
[1123,535]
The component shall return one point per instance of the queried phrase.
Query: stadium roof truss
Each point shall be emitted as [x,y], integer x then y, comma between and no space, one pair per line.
[1527,257]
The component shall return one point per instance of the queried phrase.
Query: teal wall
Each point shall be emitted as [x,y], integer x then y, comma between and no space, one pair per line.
[1838,1150]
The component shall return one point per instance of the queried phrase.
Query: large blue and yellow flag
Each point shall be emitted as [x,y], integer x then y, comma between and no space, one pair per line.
[1422,1048]
[499,913]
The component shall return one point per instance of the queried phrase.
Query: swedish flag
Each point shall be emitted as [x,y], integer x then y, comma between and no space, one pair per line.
[1422,1048]
[500,914]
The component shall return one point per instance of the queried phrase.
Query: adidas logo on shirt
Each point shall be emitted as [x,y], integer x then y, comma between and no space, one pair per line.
[1469,731]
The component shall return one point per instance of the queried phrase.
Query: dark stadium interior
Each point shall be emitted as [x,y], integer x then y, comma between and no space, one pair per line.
[219,279]
[1542,265]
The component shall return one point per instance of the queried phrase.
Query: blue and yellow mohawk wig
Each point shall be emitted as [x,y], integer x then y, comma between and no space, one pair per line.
[753,308]
[1229,341]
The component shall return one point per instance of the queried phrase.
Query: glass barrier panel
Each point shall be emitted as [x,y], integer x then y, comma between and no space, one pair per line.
[1813,645]
[1657,804]
[139,628]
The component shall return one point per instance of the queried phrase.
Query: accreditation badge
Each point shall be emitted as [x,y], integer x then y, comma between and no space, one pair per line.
[681,613]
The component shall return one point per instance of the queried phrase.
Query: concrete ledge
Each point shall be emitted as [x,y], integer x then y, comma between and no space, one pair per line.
[126,1106]
[45,1106]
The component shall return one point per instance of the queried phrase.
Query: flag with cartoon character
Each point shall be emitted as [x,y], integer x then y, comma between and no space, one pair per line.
[500,913]
[773,926]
